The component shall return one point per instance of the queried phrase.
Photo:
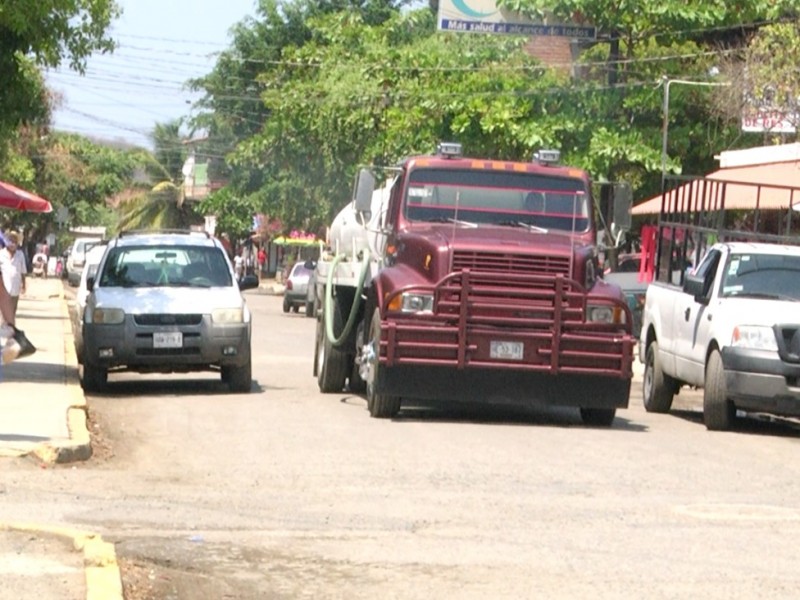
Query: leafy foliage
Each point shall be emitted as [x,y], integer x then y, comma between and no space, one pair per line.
[37,33]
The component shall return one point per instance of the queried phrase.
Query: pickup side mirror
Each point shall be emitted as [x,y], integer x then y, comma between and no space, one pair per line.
[362,195]
[695,286]
[90,283]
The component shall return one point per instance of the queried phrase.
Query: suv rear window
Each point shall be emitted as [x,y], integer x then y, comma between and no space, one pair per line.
[165,266]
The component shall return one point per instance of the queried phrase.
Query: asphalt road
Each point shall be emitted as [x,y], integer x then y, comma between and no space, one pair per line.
[289,493]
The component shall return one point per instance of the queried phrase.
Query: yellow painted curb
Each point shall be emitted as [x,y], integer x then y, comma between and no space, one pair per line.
[103,579]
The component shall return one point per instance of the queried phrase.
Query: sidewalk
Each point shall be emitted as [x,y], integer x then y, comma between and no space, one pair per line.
[43,414]
[43,408]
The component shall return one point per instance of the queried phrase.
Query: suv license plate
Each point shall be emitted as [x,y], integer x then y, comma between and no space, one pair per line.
[167,339]
[505,350]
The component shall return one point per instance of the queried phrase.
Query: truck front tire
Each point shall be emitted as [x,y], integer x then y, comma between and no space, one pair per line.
[658,388]
[719,413]
[381,406]
[599,417]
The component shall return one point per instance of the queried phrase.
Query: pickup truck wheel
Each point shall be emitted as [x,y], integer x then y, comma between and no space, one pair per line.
[380,406]
[658,389]
[719,413]
[94,378]
[601,417]
[332,365]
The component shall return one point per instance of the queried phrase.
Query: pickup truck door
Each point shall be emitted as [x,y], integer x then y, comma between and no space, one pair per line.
[693,320]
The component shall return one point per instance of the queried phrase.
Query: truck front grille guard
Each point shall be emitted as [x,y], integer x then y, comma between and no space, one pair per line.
[547,313]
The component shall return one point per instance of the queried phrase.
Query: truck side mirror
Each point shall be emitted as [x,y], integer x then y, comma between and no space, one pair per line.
[623,199]
[365,186]
[695,286]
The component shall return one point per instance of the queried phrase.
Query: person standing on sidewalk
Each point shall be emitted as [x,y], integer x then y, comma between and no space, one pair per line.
[14,269]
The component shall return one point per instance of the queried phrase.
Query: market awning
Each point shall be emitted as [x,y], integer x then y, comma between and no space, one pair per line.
[290,241]
[767,187]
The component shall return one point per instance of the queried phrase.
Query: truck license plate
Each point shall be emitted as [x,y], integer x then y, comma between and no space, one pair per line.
[505,350]
[167,339]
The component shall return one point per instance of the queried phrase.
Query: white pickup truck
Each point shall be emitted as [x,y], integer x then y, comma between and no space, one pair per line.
[733,329]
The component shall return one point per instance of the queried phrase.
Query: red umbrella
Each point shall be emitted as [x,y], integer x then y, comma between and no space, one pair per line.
[13,197]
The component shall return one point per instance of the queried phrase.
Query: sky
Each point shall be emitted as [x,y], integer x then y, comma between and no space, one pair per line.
[161,44]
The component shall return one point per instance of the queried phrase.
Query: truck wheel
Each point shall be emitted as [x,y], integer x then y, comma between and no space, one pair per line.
[94,378]
[332,365]
[719,413]
[381,406]
[657,388]
[601,417]
[239,379]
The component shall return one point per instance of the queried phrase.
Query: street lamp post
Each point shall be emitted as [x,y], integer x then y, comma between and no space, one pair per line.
[666,81]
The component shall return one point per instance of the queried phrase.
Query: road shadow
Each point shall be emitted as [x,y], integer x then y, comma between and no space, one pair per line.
[172,387]
[495,413]
[749,423]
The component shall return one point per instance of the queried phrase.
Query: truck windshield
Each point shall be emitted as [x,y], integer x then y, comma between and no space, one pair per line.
[487,197]
[762,276]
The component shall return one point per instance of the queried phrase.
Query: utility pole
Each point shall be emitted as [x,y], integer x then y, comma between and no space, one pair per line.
[666,82]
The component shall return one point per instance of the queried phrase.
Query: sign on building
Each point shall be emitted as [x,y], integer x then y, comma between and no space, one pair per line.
[483,16]
[769,120]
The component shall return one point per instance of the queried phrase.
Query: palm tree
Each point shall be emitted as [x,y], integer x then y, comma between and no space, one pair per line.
[162,207]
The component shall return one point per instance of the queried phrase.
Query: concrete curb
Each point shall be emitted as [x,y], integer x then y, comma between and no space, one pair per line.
[79,448]
[103,579]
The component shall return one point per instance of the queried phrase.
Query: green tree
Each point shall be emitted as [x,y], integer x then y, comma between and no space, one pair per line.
[349,91]
[43,33]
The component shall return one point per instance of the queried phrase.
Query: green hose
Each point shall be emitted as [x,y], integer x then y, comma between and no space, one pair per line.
[328,309]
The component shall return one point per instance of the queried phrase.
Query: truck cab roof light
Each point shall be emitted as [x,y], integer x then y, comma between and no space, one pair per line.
[449,149]
[547,157]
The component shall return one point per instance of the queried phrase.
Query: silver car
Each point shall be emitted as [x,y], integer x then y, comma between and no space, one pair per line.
[166,302]
[296,292]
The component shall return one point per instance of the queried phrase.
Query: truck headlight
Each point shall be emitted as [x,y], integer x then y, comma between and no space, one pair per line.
[757,337]
[611,315]
[108,316]
[412,302]
[227,315]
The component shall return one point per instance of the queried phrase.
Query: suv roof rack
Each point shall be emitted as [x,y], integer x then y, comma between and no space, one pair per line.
[157,231]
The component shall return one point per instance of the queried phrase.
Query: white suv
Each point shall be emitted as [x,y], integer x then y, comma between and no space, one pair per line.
[165,302]
[77,258]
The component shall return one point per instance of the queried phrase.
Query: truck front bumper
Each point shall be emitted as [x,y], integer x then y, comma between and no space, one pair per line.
[503,387]
[758,380]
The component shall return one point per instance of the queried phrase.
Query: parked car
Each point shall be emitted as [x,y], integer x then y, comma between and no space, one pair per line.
[77,258]
[296,291]
[166,302]
[93,257]
[626,276]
